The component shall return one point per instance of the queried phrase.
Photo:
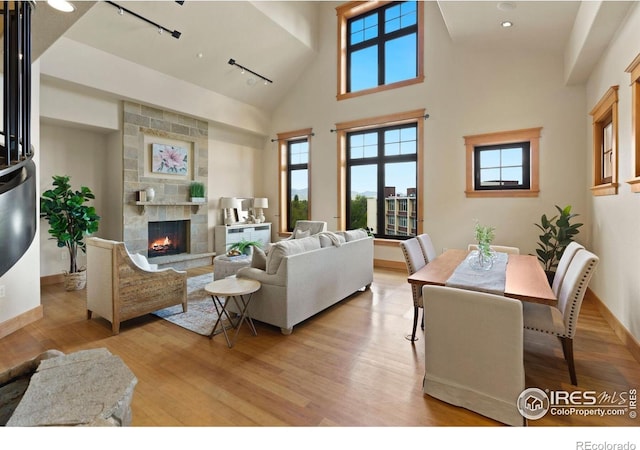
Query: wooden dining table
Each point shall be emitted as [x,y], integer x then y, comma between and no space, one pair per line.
[525,278]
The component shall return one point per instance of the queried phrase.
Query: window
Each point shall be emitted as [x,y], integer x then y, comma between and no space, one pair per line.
[634,70]
[605,143]
[500,167]
[503,164]
[379,46]
[381,174]
[295,191]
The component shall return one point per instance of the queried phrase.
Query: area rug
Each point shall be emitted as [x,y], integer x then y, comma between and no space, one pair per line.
[201,314]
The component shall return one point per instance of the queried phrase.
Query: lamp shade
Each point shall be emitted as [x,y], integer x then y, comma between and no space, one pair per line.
[260,202]
[228,202]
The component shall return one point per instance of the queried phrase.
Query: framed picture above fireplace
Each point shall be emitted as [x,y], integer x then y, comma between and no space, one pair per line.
[169,159]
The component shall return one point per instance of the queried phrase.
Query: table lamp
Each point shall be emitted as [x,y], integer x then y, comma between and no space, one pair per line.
[228,204]
[258,204]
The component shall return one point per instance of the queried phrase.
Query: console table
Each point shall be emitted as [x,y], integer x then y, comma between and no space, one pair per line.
[225,235]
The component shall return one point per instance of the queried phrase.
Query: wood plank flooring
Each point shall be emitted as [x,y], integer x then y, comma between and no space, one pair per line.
[349,366]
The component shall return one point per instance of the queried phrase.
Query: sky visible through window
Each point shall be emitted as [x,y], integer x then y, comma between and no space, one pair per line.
[401,175]
[398,52]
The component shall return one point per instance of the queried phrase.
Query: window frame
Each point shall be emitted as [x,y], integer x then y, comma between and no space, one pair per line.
[531,135]
[343,128]
[350,10]
[526,166]
[284,181]
[605,112]
[634,71]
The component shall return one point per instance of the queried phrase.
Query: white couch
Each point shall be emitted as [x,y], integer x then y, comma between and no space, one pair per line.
[302,277]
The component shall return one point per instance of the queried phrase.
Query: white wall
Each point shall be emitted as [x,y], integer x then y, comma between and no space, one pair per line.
[465,92]
[83,155]
[22,281]
[614,236]
[235,168]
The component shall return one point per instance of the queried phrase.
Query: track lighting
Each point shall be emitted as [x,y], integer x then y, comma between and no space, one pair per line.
[121,10]
[243,69]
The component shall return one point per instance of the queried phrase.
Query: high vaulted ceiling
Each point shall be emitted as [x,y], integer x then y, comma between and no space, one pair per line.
[278,39]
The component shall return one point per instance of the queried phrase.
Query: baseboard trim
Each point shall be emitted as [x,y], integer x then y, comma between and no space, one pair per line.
[52,279]
[627,338]
[24,319]
[388,264]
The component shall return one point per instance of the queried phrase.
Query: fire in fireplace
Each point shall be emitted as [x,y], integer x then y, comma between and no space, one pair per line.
[168,238]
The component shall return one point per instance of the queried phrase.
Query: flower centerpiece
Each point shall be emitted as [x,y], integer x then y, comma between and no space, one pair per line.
[484,237]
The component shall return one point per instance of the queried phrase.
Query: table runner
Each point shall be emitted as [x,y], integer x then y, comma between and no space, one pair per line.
[491,281]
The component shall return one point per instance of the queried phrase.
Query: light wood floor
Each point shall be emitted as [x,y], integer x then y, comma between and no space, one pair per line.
[348,366]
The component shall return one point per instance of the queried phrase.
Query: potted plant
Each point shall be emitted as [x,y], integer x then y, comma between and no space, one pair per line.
[70,220]
[557,233]
[196,189]
[242,247]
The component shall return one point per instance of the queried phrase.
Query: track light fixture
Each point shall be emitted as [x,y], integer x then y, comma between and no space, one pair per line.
[121,10]
[243,69]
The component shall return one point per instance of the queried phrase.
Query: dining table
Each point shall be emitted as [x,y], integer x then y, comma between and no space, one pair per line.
[525,278]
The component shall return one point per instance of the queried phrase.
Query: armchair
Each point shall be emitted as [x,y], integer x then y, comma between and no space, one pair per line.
[312,226]
[120,286]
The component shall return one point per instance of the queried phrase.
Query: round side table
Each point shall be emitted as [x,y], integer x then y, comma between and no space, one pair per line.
[224,266]
[238,290]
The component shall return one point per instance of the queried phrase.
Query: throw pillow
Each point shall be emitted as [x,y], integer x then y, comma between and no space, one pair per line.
[259,259]
[140,261]
[299,234]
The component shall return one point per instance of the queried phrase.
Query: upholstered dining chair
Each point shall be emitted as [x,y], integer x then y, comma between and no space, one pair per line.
[428,249]
[561,321]
[498,248]
[415,261]
[474,351]
[568,254]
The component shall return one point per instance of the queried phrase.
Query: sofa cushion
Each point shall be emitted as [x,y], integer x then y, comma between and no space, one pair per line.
[289,247]
[259,259]
[354,235]
[329,238]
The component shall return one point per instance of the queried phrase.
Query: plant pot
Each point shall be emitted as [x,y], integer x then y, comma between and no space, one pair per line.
[75,281]
[198,199]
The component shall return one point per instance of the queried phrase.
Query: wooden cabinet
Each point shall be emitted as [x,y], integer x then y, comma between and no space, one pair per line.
[226,235]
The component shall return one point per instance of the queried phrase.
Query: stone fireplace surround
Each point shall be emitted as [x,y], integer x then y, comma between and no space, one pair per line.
[142,124]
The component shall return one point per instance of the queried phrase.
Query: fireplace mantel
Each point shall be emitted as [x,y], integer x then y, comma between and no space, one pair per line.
[143,205]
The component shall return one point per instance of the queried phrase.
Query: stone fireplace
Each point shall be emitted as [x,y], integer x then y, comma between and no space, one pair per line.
[145,128]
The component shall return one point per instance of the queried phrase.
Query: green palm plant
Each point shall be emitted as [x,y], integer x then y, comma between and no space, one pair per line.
[70,220]
[243,246]
[557,233]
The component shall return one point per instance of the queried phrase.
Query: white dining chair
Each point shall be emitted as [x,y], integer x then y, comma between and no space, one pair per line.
[415,261]
[474,351]
[498,248]
[561,321]
[428,249]
[568,254]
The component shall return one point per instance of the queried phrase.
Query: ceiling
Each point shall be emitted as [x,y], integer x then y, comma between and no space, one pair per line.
[278,39]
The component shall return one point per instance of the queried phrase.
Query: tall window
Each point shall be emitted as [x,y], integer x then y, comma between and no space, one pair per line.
[380,46]
[634,71]
[381,175]
[295,187]
[503,164]
[605,144]
[298,181]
